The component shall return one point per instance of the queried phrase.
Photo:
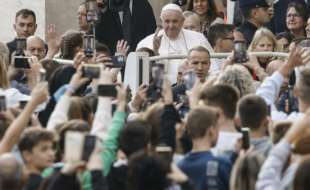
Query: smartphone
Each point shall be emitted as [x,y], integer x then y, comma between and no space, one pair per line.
[245,138]
[118,61]
[21,62]
[88,147]
[89,45]
[2,103]
[42,75]
[74,144]
[21,44]
[165,152]
[108,90]
[240,52]
[189,79]
[91,71]
[158,75]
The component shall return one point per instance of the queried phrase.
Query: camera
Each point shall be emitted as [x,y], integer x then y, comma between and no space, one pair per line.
[180,2]
[108,90]
[20,60]
[240,52]
[91,71]
[89,45]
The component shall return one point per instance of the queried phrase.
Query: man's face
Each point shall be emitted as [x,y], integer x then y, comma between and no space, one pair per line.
[82,18]
[172,22]
[25,26]
[42,155]
[36,47]
[262,15]
[199,61]
[227,43]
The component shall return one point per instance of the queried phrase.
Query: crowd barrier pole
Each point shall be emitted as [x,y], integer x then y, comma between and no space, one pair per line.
[137,65]
[222,55]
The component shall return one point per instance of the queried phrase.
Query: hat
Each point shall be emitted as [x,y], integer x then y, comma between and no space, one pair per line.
[171,7]
[250,4]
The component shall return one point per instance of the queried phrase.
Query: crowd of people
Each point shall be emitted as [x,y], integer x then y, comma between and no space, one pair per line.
[235,123]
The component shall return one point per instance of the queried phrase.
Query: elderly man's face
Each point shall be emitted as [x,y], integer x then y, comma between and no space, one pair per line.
[36,47]
[199,61]
[25,26]
[172,22]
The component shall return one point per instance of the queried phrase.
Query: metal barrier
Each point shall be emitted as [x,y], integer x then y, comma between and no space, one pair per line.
[137,65]
[213,55]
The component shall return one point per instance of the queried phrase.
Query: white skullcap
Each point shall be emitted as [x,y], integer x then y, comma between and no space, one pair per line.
[171,7]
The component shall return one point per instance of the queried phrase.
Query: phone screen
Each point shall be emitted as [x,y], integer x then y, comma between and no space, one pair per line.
[21,62]
[91,71]
[20,46]
[74,144]
[118,61]
[107,90]
[245,138]
[240,52]
[89,146]
[165,152]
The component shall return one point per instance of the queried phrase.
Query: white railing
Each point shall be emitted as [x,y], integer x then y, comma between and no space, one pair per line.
[213,55]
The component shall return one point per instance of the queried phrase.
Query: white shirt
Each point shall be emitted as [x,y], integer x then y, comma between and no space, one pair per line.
[269,91]
[226,142]
[185,41]
[13,96]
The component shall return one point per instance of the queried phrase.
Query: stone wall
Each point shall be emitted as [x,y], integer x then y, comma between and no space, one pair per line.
[63,13]
[8,9]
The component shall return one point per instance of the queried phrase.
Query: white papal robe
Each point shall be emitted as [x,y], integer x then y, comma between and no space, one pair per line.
[186,40]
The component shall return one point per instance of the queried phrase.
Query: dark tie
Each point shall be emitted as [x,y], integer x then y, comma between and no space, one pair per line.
[127,24]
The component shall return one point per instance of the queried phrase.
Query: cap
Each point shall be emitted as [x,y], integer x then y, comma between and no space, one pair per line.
[172,7]
[249,4]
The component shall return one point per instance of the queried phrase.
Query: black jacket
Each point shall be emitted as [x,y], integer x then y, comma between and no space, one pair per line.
[109,29]
[248,30]
[65,182]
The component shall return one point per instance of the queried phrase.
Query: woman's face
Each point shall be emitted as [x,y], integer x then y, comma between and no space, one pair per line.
[200,7]
[294,20]
[264,44]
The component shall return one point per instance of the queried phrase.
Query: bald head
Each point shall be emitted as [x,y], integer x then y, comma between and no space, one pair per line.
[36,47]
[172,20]
[11,173]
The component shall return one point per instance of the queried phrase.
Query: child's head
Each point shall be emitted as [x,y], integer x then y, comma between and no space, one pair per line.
[203,122]
[253,112]
[37,148]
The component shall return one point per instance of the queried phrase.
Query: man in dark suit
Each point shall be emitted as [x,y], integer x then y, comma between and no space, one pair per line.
[256,15]
[131,20]
[25,26]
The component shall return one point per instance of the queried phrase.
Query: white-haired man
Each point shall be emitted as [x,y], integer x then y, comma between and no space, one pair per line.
[174,40]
